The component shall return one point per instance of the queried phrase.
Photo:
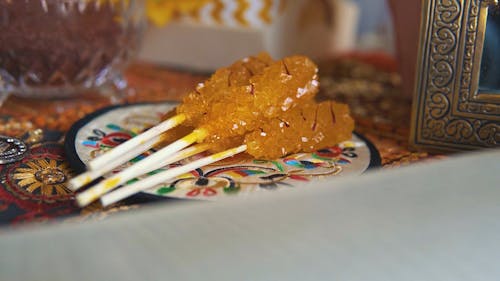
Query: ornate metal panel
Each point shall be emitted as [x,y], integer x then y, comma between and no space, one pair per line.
[451,111]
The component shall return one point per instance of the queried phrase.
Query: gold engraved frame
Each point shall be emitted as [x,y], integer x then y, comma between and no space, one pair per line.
[449,111]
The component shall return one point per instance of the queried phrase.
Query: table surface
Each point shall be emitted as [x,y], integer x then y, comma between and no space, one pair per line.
[368,83]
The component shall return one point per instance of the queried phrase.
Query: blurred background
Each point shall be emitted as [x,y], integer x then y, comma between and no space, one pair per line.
[214,36]
[375,30]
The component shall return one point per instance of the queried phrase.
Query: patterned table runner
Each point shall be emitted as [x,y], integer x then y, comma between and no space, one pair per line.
[34,189]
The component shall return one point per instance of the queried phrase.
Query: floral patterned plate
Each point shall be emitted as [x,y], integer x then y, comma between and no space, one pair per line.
[239,175]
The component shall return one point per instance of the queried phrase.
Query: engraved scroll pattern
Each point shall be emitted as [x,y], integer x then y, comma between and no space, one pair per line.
[442,57]
[438,123]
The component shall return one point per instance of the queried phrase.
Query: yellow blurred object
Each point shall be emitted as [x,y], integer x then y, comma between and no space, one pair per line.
[242,13]
[316,28]
[161,12]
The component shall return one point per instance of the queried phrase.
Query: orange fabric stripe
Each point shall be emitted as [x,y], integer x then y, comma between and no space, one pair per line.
[217,11]
[239,14]
[265,12]
[195,13]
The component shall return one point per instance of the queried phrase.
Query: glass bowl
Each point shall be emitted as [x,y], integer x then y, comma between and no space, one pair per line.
[59,48]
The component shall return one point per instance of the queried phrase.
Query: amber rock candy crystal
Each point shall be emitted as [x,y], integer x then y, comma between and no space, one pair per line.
[306,128]
[197,103]
[268,105]
[277,89]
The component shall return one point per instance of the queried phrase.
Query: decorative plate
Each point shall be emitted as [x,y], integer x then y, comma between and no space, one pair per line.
[239,175]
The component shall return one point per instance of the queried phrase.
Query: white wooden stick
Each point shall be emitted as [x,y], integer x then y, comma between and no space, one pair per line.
[106,158]
[140,168]
[161,177]
[85,178]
